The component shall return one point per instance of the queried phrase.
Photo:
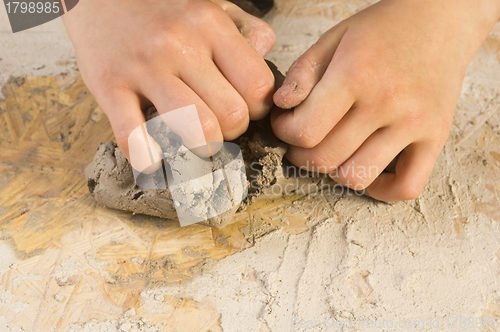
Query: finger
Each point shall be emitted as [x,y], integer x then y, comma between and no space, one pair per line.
[122,106]
[368,162]
[308,70]
[247,72]
[340,143]
[219,95]
[184,112]
[309,123]
[258,33]
[413,169]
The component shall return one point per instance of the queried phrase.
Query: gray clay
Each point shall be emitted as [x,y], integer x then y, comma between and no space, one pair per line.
[111,178]
[255,8]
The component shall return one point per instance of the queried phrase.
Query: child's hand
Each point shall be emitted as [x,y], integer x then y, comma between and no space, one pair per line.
[382,82]
[174,53]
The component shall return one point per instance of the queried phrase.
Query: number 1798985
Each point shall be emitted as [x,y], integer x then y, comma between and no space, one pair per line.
[32,7]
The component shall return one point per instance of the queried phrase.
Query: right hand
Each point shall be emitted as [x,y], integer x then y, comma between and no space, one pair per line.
[173,53]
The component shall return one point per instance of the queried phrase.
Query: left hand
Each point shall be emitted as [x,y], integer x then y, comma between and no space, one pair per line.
[382,83]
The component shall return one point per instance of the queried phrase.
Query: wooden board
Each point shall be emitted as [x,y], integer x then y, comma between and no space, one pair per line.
[81,261]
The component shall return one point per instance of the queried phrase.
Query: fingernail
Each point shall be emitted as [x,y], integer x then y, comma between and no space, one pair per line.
[145,154]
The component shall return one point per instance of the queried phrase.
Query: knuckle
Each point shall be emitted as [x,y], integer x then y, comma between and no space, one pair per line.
[325,162]
[202,13]
[416,117]
[411,115]
[235,116]
[306,139]
[356,177]
[122,134]
[156,44]
[410,191]
[171,35]
[209,126]
[393,93]
[266,32]
[263,87]
[305,64]
[358,183]
[121,137]
[122,131]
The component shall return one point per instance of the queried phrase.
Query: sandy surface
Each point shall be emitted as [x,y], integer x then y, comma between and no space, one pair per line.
[435,257]
[42,50]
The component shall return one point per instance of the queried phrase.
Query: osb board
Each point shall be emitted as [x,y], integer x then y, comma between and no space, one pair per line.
[79,261]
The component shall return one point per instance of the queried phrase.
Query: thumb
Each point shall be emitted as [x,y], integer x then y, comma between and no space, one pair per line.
[308,70]
[257,32]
